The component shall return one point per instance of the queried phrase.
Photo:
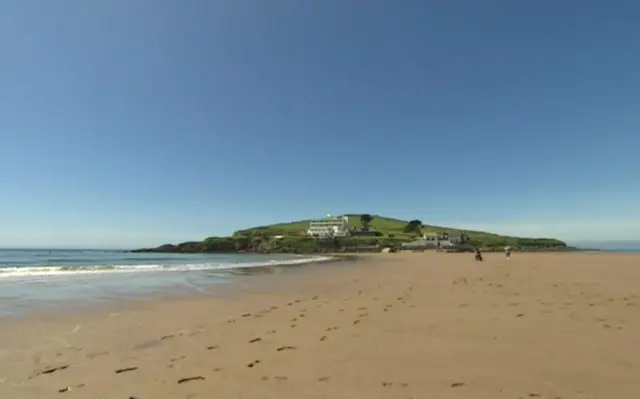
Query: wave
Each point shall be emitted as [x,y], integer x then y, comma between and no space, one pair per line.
[76,260]
[45,271]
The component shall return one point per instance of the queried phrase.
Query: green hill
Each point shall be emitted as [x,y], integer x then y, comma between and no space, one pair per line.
[387,226]
[396,229]
[382,231]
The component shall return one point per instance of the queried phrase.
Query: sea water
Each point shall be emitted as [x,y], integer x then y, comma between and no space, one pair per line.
[35,279]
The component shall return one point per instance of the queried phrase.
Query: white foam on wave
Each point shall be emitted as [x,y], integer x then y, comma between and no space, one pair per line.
[54,271]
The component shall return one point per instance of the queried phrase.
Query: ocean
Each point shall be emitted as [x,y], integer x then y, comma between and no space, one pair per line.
[37,279]
[611,245]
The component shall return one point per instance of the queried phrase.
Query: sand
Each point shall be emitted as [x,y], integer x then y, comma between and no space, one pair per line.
[408,325]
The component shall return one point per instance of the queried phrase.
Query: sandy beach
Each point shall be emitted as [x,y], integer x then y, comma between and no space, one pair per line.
[408,325]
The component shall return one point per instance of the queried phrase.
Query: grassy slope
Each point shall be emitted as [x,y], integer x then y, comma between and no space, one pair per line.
[258,239]
[380,223]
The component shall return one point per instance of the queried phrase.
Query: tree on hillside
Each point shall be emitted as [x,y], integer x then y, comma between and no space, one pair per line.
[365,219]
[413,226]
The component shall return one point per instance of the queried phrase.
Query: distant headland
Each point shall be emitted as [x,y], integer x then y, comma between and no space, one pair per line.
[357,233]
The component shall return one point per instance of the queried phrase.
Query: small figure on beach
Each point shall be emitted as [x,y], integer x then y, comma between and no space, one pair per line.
[507,252]
[478,255]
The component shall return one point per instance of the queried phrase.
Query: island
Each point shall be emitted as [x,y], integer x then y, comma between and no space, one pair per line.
[357,233]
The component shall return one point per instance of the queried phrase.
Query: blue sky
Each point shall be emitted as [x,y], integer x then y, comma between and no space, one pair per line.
[132,123]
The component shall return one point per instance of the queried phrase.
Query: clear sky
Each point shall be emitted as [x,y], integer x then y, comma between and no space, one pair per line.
[128,123]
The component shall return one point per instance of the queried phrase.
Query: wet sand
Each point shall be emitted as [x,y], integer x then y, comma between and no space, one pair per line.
[409,325]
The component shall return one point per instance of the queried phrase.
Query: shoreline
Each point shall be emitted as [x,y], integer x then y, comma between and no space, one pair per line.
[111,287]
[368,250]
[390,325]
[179,263]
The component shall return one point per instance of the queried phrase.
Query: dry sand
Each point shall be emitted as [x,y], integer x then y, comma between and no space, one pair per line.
[416,325]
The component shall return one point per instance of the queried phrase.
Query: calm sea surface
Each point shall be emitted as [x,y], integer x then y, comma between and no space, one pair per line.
[36,278]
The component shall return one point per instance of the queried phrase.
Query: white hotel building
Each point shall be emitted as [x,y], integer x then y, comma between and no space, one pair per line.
[331,226]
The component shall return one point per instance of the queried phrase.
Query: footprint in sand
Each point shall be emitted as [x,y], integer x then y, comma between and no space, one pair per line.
[50,370]
[187,379]
[126,370]
[254,363]
[391,384]
[278,378]
[70,387]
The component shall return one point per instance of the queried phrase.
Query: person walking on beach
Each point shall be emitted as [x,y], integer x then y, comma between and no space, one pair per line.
[478,255]
[507,252]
